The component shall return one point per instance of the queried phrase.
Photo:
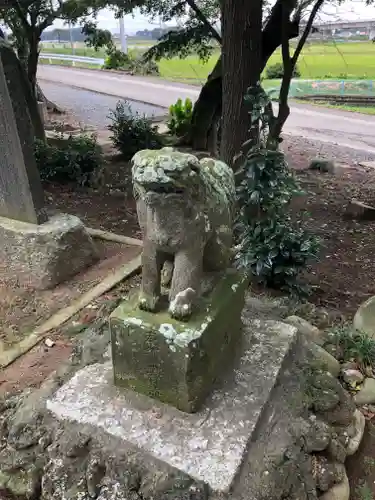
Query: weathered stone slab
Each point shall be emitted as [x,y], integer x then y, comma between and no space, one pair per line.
[21,193]
[367,164]
[42,256]
[173,361]
[209,445]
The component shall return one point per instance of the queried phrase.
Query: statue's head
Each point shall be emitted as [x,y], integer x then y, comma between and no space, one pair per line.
[164,175]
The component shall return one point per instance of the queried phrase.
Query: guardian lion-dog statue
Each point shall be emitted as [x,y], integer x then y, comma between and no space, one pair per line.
[185,210]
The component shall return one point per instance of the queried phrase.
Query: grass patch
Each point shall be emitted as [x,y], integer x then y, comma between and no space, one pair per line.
[364,492]
[318,61]
[352,344]
[365,110]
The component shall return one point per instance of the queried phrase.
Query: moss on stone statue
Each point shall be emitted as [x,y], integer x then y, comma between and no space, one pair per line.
[178,362]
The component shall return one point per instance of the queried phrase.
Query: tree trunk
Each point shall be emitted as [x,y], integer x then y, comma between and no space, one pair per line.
[241,68]
[32,60]
[207,109]
[51,106]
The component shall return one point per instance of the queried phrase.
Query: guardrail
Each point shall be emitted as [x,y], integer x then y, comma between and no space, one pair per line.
[72,58]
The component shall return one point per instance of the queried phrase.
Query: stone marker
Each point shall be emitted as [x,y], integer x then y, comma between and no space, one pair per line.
[173,348]
[21,193]
[25,106]
[40,253]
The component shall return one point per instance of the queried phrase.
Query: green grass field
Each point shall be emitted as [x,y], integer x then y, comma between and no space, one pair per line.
[318,61]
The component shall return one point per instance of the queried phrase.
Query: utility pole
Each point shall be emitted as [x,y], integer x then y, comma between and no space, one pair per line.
[124,45]
[71,38]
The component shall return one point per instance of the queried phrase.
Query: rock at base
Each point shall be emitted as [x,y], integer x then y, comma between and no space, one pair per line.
[306,329]
[340,491]
[358,210]
[322,165]
[351,376]
[367,394]
[358,431]
[364,319]
[325,358]
[42,256]
[178,362]
[209,445]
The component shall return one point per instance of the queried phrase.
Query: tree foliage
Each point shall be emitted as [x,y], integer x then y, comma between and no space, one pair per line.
[27,19]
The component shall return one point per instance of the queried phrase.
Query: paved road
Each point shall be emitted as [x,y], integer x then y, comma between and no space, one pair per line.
[89,107]
[349,130]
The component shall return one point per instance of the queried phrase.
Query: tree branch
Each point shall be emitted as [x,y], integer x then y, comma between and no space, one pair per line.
[204,20]
[305,34]
[22,17]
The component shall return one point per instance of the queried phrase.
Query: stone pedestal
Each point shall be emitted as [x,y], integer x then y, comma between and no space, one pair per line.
[178,362]
[42,256]
[210,445]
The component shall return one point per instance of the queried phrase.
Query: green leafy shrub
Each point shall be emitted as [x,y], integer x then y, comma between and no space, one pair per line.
[144,67]
[132,132]
[75,161]
[116,59]
[180,115]
[270,245]
[277,71]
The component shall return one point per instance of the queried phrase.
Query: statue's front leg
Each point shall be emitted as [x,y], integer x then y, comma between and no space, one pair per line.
[151,270]
[185,287]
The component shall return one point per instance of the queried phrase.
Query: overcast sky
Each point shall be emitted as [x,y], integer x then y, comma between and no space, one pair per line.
[351,10]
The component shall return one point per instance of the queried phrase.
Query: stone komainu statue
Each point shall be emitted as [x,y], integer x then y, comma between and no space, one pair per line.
[185,211]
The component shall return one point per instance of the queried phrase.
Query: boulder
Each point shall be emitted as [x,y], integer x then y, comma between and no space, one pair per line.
[367,394]
[328,474]
[359,429]
[45,255]
[322,165]
[330,400]
[340,491]
[351,376]
[306,329]
[364,319]
[325,358]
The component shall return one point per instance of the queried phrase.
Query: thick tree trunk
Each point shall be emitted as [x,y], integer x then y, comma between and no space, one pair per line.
[207,109]
[32,61]
[241,68]
[51,106]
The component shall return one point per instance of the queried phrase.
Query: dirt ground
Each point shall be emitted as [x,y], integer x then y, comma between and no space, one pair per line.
[22,309]
[343,277]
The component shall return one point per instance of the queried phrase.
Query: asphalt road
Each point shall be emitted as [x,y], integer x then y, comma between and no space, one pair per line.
[345,129]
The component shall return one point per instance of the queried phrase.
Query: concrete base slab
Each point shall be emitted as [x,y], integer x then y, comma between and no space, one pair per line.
[209,445]
[44,255]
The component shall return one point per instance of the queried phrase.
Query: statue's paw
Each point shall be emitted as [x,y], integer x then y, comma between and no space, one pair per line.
[181,307]
[181,312]
[148,302]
